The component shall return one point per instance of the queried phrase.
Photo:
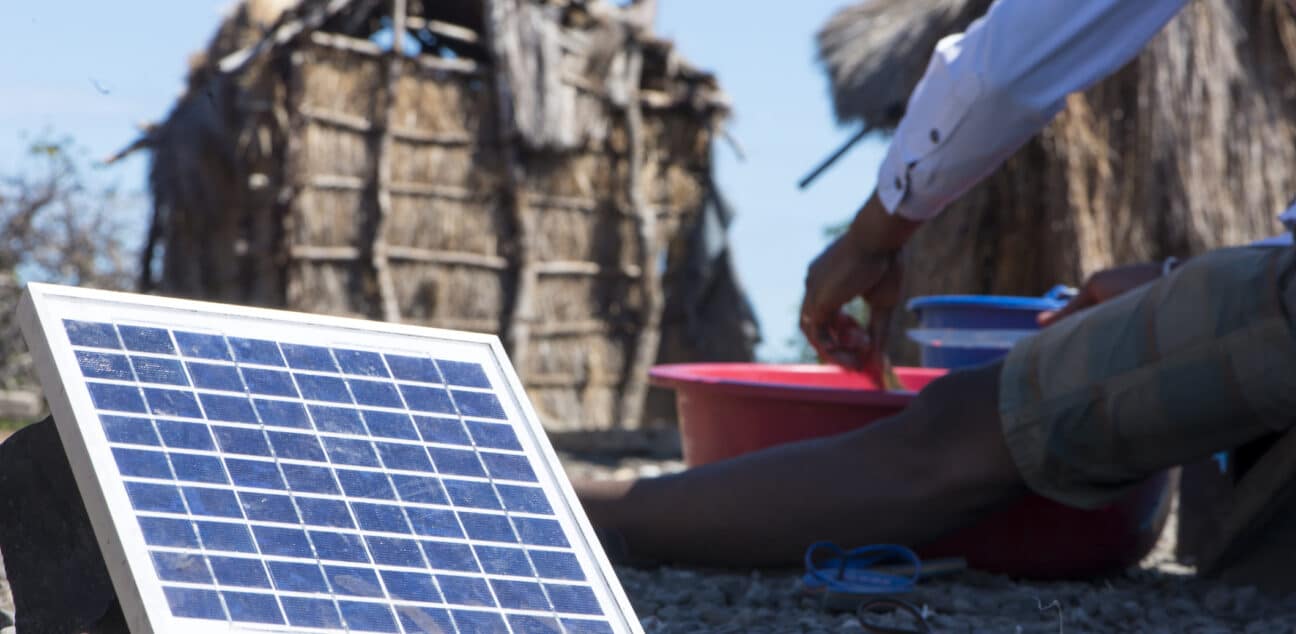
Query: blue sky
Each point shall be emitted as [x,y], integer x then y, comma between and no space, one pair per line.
[94,70]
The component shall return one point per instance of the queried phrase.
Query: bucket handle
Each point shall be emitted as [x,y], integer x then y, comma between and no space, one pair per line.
[1061,293]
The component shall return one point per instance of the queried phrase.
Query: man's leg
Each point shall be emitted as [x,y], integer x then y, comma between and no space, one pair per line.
[939,464]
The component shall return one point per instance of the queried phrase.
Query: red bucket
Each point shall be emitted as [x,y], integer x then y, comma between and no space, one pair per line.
[729,409]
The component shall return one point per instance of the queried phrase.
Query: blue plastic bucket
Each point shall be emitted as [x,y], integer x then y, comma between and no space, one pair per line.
[959,331]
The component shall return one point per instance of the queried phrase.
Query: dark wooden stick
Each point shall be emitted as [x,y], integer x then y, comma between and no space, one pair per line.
[841,151]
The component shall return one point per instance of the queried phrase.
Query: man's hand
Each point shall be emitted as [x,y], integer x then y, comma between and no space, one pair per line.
[1102,286]
[863,262]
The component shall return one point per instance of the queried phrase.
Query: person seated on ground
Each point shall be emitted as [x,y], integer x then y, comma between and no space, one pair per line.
[1148,368]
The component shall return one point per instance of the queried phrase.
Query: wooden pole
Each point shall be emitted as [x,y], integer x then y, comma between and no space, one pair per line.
[388,303]
[645,349]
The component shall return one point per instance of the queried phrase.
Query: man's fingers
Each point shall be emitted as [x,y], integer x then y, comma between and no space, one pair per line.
[1081,302]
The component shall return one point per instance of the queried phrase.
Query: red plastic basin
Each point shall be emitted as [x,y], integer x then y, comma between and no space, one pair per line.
[729,409]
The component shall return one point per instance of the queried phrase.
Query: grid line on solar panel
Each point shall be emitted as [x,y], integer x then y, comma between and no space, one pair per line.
[487,434]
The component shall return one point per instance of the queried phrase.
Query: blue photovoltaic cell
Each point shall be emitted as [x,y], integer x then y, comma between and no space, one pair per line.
[141,463]
[478,621]
[553,564]
[129,431]
[419,489]
[284,542]
[186,567]
[181,435]
[413,369]
[273,534]
[527,624]
[138,339]
[353,581]
[375,393]
[380,517]
[427,399]
[296,446]
[241,440]
[450,556]
[479,404]
[303,612]
[494,435]
[337,419]
[253,608]
[519,595]
[472,494]
[490,528]
[256,351]
[572,599]
[524,499]
[338,546]
[325,512]
[456,462]
[165,531]
[172,403]
[395,551]
[318,387]
[350,451]
[365,484]
[158,370]
[360,362]
[212,502]
[119,398]
[91,335]
[200,346]
[307,478]
[195,603]
[154,497]
[226,536]
[282,413]
[233,409]
[540,532]
[508,466]
[298,577]
[239,571]
[586,626]
[465,590]
[308,358]
[369,617]
[423,619]
[255,474]
[448,431]
[269,382]
[404,457]
[210,376]
[464,374]
[198,468]
[434,522]
[411,586]
[103,365]
[390,425]
[268,507]
[500,560]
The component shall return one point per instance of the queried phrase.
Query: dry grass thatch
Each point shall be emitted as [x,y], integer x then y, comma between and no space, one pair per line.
[521,173]
[1190,147]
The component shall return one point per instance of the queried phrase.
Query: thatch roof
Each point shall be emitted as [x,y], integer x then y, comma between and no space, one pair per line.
[876,51]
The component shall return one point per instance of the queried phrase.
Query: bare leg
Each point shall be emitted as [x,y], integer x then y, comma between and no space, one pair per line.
[907,479]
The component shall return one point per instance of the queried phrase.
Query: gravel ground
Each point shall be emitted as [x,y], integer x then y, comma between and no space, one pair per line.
[1158,596]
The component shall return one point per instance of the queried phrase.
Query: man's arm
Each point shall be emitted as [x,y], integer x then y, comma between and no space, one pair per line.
[990,89]
[985,92]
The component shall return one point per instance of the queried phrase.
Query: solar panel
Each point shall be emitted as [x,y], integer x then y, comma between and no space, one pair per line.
[257,470]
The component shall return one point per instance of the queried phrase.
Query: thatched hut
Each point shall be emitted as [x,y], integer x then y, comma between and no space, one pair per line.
[539,169]
[1191,146]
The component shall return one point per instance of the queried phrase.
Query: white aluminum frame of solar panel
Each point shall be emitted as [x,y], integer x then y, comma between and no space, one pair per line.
[117,524]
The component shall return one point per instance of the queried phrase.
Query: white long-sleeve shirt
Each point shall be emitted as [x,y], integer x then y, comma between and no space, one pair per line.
[990,89]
